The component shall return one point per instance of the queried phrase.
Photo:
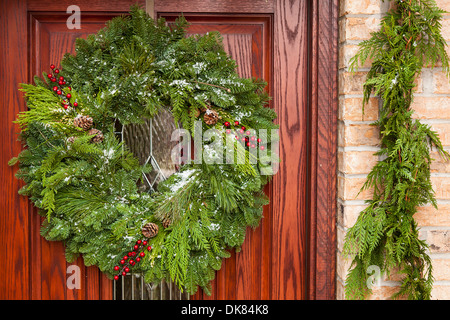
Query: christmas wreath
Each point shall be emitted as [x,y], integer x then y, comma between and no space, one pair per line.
[84,179]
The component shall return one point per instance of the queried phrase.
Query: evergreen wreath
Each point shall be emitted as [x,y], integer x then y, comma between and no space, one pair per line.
[83,179]
[385,233]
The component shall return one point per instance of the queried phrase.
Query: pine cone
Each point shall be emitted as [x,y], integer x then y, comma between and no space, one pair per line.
[211,117]
[98,135]
[150,230]
[166,223]
[83,122]
[71,139]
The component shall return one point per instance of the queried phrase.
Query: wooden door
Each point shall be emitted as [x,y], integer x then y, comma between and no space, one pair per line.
[35,35]
[291,45]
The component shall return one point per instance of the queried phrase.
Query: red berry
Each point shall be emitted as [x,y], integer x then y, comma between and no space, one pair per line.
[259,140]
[58,91]
[144,242]
[227,124]
[70,88]
[116,277]
[237,138]
[262,148]
[127,269]
[138,259]
[49,76]
[53,79]
[125,257]
[56,71]
[139,241]
[69,96]
[52,66]
[248,133]
[142,254]
[60,82]
[252,138]
[124,273]
[61,78]
[241,131]
[66,106]
[75,104]
[228,131]
[149,248]
[253,146]
[236,123]
[55,88]
[243,128]
[133,254]
[122,261]
[116,268]
[136,247]
[130,254]
[248,144]
[64,82]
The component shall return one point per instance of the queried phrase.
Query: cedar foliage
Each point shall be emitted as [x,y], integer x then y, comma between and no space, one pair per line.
[386,234]
[88,192]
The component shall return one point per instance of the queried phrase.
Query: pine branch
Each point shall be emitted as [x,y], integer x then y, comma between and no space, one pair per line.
[386,233]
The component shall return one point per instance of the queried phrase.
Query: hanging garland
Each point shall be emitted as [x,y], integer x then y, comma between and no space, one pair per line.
[385,233]
[83,179]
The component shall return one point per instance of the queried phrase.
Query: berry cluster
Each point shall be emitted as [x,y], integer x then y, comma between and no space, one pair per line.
[242,134]
[58,82]
[132,258]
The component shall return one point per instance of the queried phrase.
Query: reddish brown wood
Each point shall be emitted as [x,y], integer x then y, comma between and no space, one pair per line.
[211,6]
[290,101]
[49,41]
[14,220]
[299,226]
[112,6]
[323,150]
[34,34]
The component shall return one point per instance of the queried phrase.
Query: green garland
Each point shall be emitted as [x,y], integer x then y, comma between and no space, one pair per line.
[386,234]
[84,180]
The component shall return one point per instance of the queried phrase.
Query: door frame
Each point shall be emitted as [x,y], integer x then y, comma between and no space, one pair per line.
[322,185]
[321,130]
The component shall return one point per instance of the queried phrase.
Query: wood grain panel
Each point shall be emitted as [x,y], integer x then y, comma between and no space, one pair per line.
[49,41]
[60,6]
[33,34]
[323,150]
[238,46]
[290,101]
[214,6]
[14,219]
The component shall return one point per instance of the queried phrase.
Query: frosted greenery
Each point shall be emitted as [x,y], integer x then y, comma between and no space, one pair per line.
[385,233]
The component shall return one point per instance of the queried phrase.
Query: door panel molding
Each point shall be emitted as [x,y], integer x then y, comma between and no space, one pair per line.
[35,268]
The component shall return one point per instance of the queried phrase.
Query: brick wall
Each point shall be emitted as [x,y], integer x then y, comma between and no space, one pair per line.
[358,141]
